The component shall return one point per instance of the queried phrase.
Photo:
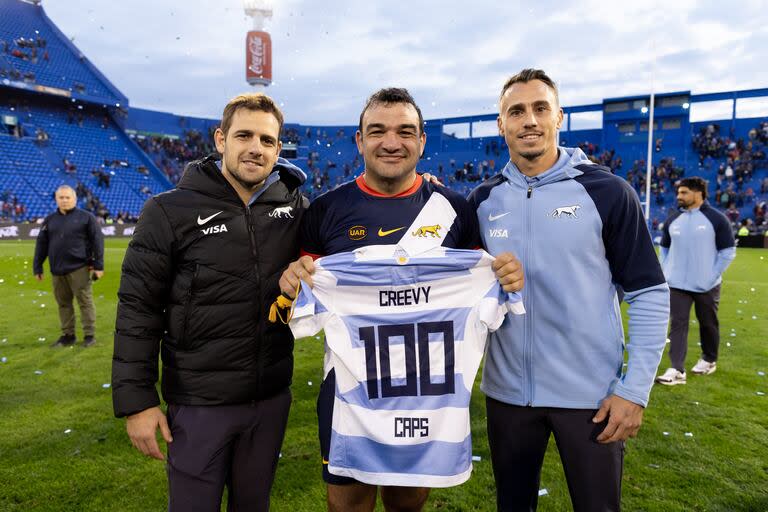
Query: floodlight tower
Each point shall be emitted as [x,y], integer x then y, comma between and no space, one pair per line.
[258,44]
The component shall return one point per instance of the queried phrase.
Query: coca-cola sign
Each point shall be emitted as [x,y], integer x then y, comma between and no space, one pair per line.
[258,58]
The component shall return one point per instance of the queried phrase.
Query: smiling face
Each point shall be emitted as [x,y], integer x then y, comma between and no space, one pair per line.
[250,147]
[391,143]
[529,119]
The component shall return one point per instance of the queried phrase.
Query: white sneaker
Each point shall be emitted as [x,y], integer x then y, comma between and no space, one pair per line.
[671,377]
[703,367]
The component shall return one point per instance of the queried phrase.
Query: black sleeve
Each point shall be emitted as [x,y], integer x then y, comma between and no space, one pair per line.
[628,245]
[97,242]
[311,227]
[470,227]
[723,232]
[146,278]
[41,249]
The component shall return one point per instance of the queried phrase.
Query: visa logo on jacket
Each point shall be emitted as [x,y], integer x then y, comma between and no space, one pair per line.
[221,228]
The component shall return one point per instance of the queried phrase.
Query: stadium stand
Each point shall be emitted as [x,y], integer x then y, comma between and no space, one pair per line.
[62,121]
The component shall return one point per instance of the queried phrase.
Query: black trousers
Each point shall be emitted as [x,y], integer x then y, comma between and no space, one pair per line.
[706,305]
[233,445]
[518,437]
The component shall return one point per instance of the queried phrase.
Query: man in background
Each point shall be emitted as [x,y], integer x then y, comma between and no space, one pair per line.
[697,246]
[71,240]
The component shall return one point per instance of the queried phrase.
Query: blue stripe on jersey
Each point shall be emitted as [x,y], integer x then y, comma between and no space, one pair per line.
[456,315]
[438,458]
[349,271]
[307,298]
[359,396]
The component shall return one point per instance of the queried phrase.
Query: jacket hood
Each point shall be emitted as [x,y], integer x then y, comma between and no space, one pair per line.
[564,168]
[205,176]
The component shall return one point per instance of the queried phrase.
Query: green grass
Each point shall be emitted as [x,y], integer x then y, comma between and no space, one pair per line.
[723,467]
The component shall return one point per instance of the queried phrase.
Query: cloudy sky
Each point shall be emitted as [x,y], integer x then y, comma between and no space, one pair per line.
[187,56]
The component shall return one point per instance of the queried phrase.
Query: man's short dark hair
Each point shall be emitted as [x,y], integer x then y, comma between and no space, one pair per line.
[390,95]
[695,183]
[258,102]
[528,75]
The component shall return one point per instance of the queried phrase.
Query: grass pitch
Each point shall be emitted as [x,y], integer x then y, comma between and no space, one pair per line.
[62,450]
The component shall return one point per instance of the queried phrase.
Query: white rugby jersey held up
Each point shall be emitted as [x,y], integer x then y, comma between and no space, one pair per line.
[405,335]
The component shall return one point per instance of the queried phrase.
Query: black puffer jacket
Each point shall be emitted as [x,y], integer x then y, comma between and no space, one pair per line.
[197,282]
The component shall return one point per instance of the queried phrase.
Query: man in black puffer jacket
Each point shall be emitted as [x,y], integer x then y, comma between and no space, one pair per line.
[197,282]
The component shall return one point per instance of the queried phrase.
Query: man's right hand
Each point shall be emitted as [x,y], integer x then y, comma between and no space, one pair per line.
[142,429]
[301,269]
[39,277]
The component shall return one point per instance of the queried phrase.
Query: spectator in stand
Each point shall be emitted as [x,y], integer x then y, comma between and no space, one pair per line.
[71,240]
[733,213]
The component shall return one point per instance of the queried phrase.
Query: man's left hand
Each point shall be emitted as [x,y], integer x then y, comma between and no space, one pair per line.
[624,419]
[509,272]
[98,273]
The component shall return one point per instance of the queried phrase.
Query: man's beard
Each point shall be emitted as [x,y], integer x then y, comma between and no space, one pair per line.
[533,155]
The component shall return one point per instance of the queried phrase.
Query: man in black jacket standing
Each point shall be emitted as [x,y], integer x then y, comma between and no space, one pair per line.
[198,279]
[71,240]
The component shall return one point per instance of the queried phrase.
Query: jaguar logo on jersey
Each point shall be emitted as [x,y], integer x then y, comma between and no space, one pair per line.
[565,211]
[211,230]
[282,212]
[432,231]
[357,232]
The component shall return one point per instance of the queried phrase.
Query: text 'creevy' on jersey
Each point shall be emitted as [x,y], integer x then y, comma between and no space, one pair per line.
[405,336]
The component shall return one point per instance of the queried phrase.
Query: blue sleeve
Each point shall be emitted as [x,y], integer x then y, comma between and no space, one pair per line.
[648,316]
[724,258]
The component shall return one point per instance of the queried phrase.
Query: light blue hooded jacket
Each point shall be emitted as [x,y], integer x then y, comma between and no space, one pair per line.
[580,234]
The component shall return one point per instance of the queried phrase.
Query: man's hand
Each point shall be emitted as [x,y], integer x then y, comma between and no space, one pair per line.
[301,269]
[98,273]
[432,179]
[624,419]
[142,429]
[39,277]
[509,272]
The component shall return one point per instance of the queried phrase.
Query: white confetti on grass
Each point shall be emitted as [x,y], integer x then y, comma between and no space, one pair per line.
[762,374]
[309,383]
[69,430]
[3,359]
[38,372]
[543,492]
[106,385]
[665,433]
[688,434]
[476,458]
[760,393]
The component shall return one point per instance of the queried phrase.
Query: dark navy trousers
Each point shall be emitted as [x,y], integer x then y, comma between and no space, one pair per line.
[233,445]
[518,438]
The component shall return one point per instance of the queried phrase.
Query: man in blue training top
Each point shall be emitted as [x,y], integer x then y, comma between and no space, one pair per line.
[697,246]
[581,237]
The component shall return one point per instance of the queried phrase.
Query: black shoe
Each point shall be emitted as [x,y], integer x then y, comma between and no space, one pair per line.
[88,341]
[66,340]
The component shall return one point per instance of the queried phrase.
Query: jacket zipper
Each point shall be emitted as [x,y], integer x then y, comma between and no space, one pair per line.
[529,306]
[255,253]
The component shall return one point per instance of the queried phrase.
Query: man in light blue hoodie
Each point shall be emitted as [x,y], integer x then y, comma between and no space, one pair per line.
[697,246]
[579,232]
